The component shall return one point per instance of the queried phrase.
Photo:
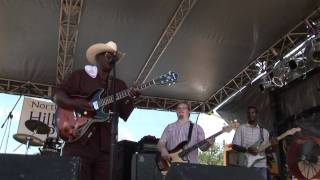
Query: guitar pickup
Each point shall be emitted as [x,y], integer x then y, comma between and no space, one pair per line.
[95,105]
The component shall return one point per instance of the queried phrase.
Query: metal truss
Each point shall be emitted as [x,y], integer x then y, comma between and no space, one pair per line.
[172,28]
[32,89]
[166,104]
[287,43]
[70,13]
[25,88]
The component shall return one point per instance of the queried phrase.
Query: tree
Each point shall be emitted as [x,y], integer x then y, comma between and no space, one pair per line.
[214,156]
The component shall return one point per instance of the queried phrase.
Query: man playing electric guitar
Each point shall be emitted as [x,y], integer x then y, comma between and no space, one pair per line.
[94,147]
[248,138]
[181,131]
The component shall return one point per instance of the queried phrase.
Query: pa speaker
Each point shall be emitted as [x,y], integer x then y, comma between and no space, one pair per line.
[209,172]
[35,167]
[144,167]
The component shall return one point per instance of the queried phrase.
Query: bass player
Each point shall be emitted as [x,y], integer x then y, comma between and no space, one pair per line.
[181,131]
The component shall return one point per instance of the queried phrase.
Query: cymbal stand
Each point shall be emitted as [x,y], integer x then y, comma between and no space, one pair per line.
[29,138]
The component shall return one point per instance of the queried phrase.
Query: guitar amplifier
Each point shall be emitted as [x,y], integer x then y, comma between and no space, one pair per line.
[144,167]
[230,156]
[122,167]
[31,167]
[148,144]
[149,148]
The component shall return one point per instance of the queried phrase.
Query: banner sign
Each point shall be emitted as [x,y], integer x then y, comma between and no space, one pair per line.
[38,110]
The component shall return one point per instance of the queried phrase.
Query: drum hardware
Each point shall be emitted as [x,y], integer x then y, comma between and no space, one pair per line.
[37,127]
[51,146]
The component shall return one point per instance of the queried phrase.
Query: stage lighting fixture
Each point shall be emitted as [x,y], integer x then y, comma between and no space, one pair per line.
[292,64]
[312,50]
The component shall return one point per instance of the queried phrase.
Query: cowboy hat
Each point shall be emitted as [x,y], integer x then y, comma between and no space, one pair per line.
[98,48]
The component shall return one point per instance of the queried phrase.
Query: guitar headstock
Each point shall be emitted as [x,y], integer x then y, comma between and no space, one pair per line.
[232,125]
[292,131]
[169,78]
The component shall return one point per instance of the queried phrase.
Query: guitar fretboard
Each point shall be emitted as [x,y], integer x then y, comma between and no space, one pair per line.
[196,146]
[122,94]
[268,144]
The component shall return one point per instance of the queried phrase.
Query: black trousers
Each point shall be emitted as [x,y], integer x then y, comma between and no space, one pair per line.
[95,167]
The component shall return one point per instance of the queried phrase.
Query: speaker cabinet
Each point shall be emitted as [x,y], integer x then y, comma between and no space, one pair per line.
[144,167]
[122,168]
[209,172]
[33,167]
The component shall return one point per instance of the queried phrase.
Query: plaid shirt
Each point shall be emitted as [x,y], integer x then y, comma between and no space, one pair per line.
[247,136]
[176,132]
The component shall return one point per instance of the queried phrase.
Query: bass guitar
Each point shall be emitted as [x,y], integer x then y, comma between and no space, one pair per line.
[178,153]
[72,125]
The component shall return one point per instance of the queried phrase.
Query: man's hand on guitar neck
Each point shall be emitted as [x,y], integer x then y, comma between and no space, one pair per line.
[133,91]
[209,143]
[274,142]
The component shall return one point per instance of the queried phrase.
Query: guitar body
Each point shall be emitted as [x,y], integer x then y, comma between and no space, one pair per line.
[248,160]
[164,165]
[72,125]
[252,160]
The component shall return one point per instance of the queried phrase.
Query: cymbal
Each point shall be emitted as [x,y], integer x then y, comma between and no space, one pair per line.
[23,138]
[37,126]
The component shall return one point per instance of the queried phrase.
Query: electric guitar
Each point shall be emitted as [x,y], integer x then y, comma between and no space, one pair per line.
[248,160]
[72,125]
[178,153]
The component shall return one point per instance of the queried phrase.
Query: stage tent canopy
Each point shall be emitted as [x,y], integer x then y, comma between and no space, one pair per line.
[206,42]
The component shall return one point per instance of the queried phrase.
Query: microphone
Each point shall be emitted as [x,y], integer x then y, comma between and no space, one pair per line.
[114,58]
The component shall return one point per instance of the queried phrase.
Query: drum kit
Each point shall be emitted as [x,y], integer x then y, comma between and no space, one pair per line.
[51,146]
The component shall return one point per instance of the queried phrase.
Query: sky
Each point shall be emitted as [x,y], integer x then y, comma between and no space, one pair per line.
[140,123]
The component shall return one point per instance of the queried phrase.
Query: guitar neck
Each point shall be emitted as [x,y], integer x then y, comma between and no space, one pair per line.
[124,93]
[199,144]
[268,144]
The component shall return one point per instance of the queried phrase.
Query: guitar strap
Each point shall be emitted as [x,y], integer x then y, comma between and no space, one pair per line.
[190,132]
[261,135]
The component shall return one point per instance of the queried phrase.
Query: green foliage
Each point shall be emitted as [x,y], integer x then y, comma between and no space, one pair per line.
[214,156]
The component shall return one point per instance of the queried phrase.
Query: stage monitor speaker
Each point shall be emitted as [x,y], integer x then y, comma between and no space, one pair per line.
[33,167]
[144,167]
[210,172]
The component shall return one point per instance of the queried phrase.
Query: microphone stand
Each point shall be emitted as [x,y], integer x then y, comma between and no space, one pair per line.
[114,119]
[10,116]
